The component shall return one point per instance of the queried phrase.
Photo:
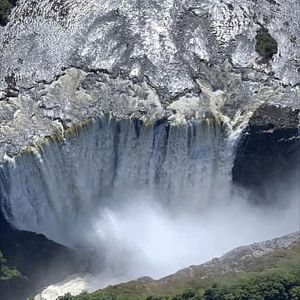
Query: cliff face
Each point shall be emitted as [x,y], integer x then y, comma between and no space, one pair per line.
[269,150]
[64,61]
[162,40]
[38,260]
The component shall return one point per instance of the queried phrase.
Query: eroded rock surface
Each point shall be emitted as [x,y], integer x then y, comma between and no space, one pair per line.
[63,61]
[161,40]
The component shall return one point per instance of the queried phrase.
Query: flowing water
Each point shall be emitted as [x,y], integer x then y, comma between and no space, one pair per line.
[146,199]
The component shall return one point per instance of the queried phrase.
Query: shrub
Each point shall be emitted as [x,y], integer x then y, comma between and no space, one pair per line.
[294,293]
[272,286]
[7,273]
[155,298]
[266,45]
[5,8]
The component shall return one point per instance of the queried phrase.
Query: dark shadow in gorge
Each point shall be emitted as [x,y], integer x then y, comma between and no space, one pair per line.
[39,260]
[267,161]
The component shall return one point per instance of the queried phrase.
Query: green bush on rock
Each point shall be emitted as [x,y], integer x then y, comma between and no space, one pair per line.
[277,285]
[266,45]
[7,273]
[5,8]
[86,296]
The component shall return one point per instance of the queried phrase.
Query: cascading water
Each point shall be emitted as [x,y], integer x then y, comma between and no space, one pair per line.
[51,187]
[148,199]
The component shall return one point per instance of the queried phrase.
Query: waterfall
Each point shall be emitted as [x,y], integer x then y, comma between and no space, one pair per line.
[141,198]
[50,187]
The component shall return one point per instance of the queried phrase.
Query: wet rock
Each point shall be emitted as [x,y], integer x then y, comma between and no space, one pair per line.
[269,150]
[39,260]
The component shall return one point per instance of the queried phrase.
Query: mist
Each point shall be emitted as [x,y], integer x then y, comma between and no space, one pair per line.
[140,235]
[136,235]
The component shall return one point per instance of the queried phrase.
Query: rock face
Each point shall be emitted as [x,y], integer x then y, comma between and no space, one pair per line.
[269,150]
[161,40]
[64,61]
[32,254]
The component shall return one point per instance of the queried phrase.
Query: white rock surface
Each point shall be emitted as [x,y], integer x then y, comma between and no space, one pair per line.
[63,61]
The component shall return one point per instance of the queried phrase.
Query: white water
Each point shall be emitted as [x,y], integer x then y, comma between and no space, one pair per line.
[76,284]
[50,190]
[148,200]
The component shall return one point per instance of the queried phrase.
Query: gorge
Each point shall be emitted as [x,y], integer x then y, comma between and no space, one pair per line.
[140,137]
[142,199]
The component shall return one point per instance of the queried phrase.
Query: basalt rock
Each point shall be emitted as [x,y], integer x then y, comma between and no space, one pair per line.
[32,254]
[269,150]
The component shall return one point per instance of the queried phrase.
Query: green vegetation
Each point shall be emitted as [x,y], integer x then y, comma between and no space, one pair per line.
[5,8]
[7,273]
[269,285]
[266,45]
[86,296]
[275,276]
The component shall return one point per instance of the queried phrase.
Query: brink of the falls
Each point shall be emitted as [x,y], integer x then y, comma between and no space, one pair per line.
[51,187]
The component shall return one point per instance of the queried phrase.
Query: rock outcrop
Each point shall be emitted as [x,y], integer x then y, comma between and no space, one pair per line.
[269,150]
[64,61]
